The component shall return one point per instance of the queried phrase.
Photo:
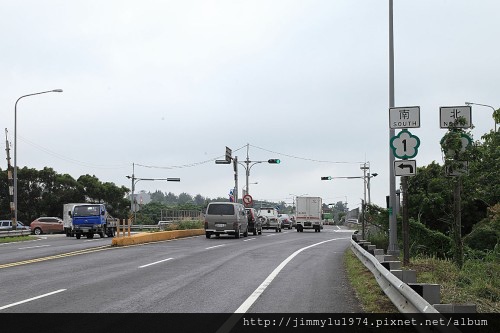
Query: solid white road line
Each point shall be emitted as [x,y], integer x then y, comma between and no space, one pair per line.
[31,299]
[260,289]
[156,262]
[246,240]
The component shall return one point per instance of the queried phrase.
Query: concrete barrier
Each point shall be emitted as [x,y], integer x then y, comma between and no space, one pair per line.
[147,237]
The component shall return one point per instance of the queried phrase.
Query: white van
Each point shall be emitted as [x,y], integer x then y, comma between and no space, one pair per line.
[226,218]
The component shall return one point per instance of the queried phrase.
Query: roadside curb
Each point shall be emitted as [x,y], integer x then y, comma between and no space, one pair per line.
[147,237]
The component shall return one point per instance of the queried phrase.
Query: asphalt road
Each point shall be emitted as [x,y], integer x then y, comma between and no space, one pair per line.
[269,273]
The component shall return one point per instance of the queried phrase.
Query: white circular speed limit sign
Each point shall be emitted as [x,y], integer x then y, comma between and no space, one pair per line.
[247,199]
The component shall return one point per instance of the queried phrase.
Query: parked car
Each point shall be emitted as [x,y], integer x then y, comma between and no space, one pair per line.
[254,223]
[47,225]
[226,218]
[7,225]
[285,221]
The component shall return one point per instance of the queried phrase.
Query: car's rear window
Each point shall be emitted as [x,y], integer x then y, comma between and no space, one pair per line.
[220,209]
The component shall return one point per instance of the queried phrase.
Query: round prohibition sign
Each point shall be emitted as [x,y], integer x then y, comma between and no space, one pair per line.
[247,199]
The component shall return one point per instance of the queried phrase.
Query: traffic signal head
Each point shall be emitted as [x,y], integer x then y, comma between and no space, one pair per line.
[326,178]
[274,161]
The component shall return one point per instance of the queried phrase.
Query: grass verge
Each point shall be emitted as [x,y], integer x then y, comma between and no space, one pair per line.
[368,292]
[16,239]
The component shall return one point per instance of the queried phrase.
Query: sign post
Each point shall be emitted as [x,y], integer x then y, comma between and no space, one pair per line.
[405,145]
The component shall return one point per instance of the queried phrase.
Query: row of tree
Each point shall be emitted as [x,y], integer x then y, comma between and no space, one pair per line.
[44,192]
[431,204]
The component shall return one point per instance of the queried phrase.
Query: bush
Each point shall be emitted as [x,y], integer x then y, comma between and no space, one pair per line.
[428,242]
[482,238]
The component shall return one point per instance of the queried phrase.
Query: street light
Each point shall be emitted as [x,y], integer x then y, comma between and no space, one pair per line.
[14,223]
[135,180]
[489,106]
[244,191]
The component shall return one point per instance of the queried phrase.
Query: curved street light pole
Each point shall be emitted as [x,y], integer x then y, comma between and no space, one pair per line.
[489,106]
[14,223]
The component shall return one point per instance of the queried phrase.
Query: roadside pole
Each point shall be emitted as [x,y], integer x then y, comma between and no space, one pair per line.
[406,224]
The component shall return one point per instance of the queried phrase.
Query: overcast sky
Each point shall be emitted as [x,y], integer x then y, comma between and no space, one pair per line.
[169,84]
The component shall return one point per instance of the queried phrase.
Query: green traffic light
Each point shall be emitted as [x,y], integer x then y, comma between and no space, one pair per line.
[274,161]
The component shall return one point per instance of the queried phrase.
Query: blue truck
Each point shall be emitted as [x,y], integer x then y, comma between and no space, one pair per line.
[89,219]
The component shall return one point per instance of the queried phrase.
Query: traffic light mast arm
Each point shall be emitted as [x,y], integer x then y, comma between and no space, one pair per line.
[330,178]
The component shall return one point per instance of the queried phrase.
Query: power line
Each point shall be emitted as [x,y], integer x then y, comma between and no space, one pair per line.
[303,158]
[67,159]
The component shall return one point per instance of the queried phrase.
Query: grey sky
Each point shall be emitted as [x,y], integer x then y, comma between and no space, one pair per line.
[172,83]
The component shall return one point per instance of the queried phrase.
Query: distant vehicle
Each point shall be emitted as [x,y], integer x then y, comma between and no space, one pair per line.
[7,225]
[226,218]
[254,224]
[355,221]
[269,218]
[285,221]
[46,225]
[308,214]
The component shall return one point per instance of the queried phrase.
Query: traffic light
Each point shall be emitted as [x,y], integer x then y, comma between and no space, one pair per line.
[326,178]
[274,161]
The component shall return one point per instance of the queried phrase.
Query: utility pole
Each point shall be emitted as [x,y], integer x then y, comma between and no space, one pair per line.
[235,166]
[11,184]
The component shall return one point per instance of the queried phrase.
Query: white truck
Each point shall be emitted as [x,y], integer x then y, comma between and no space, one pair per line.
[308,214]
[67,219]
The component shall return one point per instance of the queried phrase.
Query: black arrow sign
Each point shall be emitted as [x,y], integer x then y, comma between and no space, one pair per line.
[409,166]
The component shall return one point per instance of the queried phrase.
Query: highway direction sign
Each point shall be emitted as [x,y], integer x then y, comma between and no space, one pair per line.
[404,117]
[405,145]
[448,115]
[405,168]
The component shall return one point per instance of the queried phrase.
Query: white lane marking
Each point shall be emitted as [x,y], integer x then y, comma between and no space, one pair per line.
[271,235]
[93,240]
[260,289]
[31,299]
[213,247]
[246,240]
[156,262]
[33,247]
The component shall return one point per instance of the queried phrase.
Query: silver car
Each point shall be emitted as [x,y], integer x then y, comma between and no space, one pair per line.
[7,225]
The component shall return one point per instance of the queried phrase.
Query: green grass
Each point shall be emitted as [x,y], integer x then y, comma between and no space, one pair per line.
[16,239]
[476,283]
[368,292]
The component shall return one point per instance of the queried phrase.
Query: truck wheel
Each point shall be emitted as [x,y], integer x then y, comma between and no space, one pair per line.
[207,235]
[78,235]
[90,235]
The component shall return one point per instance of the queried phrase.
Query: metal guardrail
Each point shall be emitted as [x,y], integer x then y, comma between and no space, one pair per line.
[401,295]
[12,233]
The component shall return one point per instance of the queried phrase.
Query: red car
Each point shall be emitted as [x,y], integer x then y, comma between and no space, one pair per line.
[46,225]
